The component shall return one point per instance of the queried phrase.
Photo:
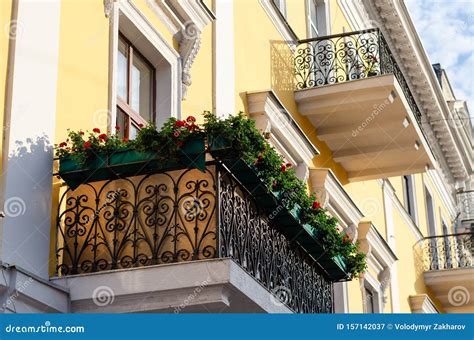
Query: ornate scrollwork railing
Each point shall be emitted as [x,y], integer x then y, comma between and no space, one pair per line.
[448,251]
[184,215]
[345,57]
[466,205]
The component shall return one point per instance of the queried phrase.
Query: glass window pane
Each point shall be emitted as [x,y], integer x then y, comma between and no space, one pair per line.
[122,70]
[141,87]
[122,121]
[133,132]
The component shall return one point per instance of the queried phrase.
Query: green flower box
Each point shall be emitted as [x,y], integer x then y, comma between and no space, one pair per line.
[128,162]
[221,147]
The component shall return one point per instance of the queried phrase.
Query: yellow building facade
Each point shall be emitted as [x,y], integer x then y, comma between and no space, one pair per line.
[370,136]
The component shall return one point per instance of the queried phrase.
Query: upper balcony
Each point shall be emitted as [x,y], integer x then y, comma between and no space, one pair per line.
[448,265]
[465,201]
[352,90]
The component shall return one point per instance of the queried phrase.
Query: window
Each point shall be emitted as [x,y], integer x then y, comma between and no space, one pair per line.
[281,5]
[317,18]
[369,301]
[409,194]
[135,89]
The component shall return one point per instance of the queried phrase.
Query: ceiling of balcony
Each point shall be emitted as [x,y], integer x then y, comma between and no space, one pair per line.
[369,127]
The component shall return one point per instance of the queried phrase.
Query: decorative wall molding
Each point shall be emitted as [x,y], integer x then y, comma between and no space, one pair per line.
[400,33]
[380,257]
[186,20]
[108,7]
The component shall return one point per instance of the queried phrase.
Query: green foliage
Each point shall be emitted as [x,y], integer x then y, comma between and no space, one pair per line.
[242,135]
[244,140]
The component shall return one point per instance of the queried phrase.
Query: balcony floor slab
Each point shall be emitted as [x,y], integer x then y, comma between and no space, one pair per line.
[217,285]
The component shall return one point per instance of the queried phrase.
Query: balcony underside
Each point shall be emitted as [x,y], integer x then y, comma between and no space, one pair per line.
[454,288]
[368,125]
[209,286]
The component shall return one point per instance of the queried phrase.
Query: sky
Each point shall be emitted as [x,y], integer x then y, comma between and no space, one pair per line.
[446,29]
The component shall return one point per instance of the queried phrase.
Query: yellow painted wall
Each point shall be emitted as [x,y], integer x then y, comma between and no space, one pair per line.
[82,95]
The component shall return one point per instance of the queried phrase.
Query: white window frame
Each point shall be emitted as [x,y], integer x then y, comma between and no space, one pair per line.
[168,80]
[281,5]
[371,284]
[322,8]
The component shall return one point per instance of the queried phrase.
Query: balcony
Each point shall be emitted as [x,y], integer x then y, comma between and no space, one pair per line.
[448,270]
[465,201]
[354,93]
[179,222]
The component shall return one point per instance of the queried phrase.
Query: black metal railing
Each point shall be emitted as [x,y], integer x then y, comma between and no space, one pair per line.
[184,215]
[448,251]
[345,57]
[466,205]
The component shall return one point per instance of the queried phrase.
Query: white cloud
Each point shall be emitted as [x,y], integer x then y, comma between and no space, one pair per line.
[446,28]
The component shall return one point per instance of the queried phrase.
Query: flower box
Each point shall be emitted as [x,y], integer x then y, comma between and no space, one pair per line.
[128,162]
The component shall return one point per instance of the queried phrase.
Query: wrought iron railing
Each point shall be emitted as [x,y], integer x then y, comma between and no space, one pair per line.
[448,251]
[466,205]
[345,57]
[184,215]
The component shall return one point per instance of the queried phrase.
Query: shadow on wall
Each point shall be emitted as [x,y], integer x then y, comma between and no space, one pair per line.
[27,205]
[282,66]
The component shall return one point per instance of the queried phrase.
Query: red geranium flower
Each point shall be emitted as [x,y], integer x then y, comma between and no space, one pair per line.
[87,145]
[180,123]
[117,128]
[62,145]
[81,133]
[179,143]
[96,130]
[275,183]
[289,165]
[190,119]
[103,137]
[140,125]
[125,139]
[283,168]
[316,205]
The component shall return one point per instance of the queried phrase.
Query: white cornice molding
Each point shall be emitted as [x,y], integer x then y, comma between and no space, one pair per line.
[280,24]
[272,117]
[406,46]
[448,199]
[186,20]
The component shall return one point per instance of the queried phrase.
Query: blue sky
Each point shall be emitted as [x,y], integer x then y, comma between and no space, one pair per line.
[446,28]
